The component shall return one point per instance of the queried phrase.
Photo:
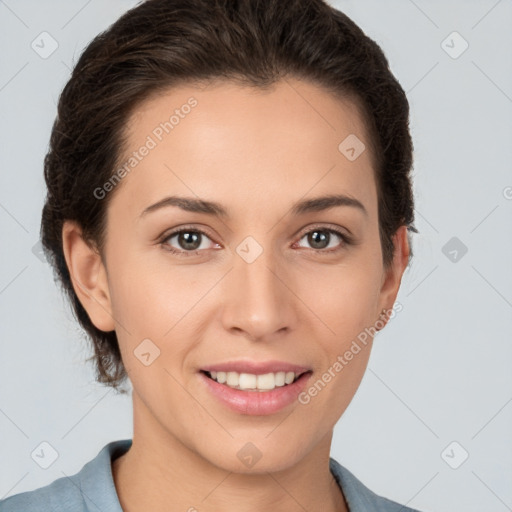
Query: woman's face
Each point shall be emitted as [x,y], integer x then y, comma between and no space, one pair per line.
[250,285]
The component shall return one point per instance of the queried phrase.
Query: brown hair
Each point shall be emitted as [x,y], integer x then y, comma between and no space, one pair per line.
[161,43]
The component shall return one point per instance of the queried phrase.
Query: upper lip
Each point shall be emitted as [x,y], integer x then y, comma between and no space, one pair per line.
[255,367]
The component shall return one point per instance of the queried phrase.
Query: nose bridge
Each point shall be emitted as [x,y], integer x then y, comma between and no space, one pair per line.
[257,301]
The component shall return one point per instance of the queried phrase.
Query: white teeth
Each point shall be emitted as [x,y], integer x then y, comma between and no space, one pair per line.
[280,378]
[250,381]
[232,379]
[289,377]
[265,381]
[247,381]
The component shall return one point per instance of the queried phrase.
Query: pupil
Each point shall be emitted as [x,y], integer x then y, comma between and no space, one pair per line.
[189,237]
[319,237]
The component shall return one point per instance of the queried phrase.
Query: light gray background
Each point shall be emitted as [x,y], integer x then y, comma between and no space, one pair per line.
[439,372]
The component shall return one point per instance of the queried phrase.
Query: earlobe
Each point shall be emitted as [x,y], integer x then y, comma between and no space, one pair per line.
[88,276]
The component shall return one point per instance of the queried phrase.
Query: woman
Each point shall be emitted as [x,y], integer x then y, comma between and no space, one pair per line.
[228,209]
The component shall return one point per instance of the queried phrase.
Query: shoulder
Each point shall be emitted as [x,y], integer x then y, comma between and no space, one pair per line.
[86,490]
[62,494]
[359,498]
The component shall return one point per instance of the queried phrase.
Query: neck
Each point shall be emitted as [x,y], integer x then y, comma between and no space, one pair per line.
[159,470]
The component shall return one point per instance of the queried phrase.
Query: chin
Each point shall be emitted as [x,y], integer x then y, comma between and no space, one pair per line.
[254,458]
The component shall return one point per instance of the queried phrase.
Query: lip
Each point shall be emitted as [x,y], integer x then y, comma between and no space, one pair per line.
[255,367]
[256,403]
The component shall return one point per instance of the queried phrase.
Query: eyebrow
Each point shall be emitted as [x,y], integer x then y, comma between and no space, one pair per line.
[317,204]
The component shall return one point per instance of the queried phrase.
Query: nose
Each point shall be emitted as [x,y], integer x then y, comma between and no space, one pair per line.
[258,301]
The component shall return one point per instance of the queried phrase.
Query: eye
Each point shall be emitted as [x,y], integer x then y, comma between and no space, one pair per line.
[188,240]
[320,239]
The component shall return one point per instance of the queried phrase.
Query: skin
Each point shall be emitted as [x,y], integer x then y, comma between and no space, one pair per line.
[255,152]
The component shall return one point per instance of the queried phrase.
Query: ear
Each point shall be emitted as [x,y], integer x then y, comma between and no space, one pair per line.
[392,276]
[88,276]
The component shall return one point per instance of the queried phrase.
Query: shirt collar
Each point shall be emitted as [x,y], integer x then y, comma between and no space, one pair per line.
[96,480]
[358,497]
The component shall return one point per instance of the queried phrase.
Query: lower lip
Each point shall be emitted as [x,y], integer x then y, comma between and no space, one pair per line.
[256,403]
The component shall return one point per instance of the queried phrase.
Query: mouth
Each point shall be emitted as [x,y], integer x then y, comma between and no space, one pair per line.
[255,394]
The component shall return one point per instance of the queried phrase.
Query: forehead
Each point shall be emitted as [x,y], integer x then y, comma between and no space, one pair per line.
[244,146]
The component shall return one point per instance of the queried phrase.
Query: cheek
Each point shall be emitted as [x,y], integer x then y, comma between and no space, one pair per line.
[150,295]
[152,309]
[344,296]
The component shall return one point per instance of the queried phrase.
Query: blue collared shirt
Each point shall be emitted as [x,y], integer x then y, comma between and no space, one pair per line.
[92,489]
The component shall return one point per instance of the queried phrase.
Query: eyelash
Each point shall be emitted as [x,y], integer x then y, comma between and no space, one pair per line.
[345,238]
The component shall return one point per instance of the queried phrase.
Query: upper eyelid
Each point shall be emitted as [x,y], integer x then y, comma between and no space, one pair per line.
[336,229]
[185,228]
